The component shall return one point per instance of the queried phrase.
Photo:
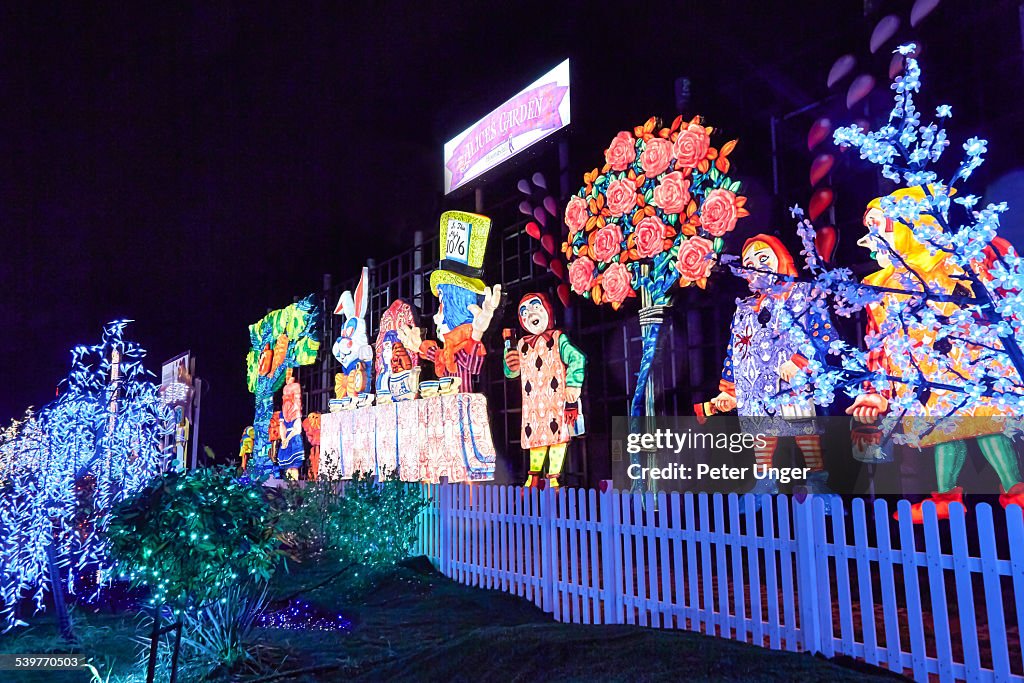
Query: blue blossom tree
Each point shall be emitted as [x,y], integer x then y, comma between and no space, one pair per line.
[951,292]
[62,469]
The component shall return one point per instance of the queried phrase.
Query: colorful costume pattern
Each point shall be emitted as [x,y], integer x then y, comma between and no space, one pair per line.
[274,432]
[461,356]
[549,367]
[292,452]
[759,345]
[895,357]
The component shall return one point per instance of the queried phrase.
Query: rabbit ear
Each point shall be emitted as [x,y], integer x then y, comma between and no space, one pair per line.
[362,293]
[345,305]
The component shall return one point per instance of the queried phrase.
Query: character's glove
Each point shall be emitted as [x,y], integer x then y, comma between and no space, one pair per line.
[483,313]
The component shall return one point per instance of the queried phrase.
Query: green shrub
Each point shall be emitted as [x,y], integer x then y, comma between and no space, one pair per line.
[358,527]
[189,536]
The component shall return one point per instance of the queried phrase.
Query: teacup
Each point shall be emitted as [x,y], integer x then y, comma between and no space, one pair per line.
[449,385]
[429,388]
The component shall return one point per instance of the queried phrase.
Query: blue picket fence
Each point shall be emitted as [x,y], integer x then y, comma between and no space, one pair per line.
[942,600]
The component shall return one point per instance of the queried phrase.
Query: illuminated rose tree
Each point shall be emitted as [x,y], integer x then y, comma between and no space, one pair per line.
[653,217]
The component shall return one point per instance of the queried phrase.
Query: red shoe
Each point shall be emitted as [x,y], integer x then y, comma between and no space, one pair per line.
[553,482]
[1015,496]
[941,500]
[532,480]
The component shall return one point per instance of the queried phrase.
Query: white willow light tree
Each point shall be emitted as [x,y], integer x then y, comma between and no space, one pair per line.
[65,467]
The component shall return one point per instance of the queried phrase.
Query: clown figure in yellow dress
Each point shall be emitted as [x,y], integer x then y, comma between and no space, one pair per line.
[934,416]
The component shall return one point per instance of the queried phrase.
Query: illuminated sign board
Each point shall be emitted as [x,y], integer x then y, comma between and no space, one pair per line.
[539,110]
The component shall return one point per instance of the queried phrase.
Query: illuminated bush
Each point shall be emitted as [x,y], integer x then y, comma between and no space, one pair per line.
[189,536]
[370,526]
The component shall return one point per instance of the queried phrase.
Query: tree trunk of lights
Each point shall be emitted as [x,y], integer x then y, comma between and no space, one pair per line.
[60,606]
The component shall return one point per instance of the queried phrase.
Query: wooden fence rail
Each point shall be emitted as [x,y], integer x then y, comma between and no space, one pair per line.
[942,600]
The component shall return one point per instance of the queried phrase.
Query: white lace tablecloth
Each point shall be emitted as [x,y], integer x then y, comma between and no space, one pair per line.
[420,440]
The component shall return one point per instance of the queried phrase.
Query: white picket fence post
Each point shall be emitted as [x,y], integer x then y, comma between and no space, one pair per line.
[445,551]
[806,576]
[611,564]
[547,550]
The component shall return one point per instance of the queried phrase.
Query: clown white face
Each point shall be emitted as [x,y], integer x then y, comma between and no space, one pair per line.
[875,220]
[759,258]
[534,316]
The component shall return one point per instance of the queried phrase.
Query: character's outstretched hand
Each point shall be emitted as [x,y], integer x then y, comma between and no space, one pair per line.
[788,370]
[724,402]
[482,314]
[867,407]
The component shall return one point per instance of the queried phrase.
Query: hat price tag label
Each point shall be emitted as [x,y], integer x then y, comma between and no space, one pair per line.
[457,244]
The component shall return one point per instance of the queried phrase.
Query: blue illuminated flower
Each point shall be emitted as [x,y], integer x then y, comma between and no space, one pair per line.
[975,146]
[967,201]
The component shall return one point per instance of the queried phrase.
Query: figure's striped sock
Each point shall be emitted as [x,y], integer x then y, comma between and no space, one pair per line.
[810,446]
[765,456]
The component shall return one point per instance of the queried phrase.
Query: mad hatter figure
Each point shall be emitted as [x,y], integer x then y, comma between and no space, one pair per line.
[465,304]
[764,355]
[551,371]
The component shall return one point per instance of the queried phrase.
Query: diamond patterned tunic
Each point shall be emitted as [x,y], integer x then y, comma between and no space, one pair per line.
[543,379]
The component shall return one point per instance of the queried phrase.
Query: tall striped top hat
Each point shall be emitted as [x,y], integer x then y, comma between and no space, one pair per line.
[463,244]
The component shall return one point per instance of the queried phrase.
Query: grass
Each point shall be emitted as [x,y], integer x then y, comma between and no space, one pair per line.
[415,625]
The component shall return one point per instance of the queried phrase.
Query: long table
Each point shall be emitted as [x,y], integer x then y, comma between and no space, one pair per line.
[419,440]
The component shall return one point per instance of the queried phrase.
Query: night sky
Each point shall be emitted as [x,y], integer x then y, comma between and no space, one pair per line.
[190,167]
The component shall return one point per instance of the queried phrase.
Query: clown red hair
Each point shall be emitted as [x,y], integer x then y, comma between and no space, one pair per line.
[786,265]
[543,300]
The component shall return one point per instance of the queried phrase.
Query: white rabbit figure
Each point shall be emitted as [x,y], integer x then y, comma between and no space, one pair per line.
[352,347]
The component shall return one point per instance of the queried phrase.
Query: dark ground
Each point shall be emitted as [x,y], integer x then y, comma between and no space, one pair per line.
[416,625]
